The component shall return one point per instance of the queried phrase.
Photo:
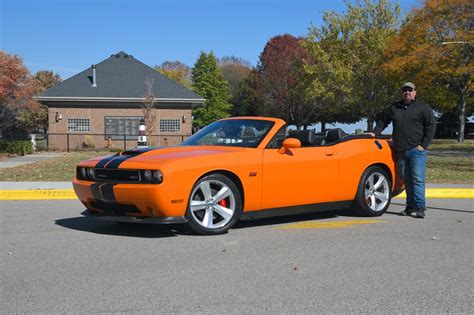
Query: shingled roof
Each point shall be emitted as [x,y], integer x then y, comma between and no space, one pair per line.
[119,78]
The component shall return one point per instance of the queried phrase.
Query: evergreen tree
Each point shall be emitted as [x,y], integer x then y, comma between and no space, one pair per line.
[207,81]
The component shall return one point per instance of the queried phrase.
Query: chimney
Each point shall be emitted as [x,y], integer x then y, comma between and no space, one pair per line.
[94,81]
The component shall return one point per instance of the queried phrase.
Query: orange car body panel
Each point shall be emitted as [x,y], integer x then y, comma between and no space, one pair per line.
[268,179]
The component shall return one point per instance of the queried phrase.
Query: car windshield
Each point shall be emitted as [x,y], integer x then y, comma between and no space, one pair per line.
[237,133]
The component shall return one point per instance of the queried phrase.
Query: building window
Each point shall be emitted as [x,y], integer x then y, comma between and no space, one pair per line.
[170,125]
[78,125]
[118,127]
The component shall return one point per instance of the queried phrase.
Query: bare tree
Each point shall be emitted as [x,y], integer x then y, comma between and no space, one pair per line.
[148,108]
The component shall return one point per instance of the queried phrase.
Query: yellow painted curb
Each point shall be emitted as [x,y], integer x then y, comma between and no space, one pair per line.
[50,194]
[327,225]
[457,193]
[68,194]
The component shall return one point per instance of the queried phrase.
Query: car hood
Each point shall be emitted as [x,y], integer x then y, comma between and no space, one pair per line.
[163,155]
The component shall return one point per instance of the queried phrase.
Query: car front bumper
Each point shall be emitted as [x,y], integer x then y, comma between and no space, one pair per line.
[121,200]
[111,216]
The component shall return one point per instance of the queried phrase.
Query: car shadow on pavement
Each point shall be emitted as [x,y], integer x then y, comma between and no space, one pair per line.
[289,219]
[122,229]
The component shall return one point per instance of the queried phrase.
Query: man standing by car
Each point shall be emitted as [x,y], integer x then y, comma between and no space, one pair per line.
[414,126]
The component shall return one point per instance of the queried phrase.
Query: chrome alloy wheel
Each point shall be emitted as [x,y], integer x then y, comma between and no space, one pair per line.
[377,192]
[212,204]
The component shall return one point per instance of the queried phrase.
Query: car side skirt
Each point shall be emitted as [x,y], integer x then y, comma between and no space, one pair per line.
[283,211]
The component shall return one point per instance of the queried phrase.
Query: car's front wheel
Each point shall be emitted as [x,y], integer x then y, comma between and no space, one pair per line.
[374,192]
[214,205]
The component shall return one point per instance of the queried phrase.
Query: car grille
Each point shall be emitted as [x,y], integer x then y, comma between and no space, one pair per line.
[114,208]
[126,176]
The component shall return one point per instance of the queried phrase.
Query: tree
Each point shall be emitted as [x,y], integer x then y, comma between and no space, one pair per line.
[208,82]
[277,76]
[19,112]
[234,70]
[148,108]
[247,100]
[177,71]
[442,71]
[346,81]
[46,79]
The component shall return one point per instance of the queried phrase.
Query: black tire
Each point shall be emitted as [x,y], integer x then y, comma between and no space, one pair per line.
[373,193]
[214,205]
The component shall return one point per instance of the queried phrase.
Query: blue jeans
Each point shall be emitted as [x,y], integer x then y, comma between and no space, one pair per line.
[412,165]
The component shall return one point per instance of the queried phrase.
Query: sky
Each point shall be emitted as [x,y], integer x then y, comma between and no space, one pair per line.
[67,36]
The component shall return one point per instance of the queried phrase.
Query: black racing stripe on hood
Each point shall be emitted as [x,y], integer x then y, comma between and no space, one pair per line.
[115,163]
[106,160]
[115,160]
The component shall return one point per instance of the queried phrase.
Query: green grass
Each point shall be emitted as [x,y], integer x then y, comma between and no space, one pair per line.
[61,168]
[457,167]
[452,145]
[450,170]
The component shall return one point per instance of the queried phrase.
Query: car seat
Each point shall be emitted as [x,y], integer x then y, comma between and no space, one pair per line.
[334,135]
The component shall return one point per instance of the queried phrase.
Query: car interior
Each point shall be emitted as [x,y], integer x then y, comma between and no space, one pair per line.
[309,138]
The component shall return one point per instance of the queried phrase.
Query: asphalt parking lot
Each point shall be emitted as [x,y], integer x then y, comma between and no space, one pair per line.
[55,261]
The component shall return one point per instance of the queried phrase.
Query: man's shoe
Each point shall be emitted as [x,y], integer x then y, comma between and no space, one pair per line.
[407,211]
[420,213]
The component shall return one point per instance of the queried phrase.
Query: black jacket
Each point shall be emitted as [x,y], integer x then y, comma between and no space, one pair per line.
[413,125]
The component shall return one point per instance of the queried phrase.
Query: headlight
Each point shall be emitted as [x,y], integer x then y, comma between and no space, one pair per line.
[82,173]
[147,176]
[152,177]
[85,173]
[90,173]
[157,177]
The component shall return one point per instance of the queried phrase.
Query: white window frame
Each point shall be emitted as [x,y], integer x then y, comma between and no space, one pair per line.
[78,125]
[170,125]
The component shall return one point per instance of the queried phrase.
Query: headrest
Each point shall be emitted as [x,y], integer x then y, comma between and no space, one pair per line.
[307,137]
[333,135]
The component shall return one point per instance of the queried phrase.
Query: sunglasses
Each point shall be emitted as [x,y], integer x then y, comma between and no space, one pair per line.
[407,90]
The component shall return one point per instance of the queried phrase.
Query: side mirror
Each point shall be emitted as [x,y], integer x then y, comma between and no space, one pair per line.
[289,143]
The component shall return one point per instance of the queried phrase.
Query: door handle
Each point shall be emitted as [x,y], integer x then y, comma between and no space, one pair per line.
[329,153]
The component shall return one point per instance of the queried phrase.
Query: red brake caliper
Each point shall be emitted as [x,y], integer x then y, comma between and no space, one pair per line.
[222,203]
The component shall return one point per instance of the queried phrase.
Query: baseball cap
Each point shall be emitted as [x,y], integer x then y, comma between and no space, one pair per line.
[408,84]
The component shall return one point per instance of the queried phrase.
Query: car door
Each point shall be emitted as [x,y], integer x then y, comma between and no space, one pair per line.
[300,176]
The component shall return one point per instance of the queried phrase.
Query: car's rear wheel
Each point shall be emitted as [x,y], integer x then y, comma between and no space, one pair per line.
[214,205]
[374,192]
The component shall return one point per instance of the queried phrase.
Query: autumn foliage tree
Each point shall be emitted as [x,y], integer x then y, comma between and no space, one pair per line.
[177,71]
[434,49]
[344,76]
[209,83]
[277,77]
[19,112]
[234,71]
[45,79]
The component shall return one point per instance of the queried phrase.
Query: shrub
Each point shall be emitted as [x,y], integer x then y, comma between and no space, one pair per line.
[17,147]
[89,142]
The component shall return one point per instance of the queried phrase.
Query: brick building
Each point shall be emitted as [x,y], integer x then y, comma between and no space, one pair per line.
[102,106]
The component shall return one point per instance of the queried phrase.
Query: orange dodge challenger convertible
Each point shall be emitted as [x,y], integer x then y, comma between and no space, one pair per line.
[240,168]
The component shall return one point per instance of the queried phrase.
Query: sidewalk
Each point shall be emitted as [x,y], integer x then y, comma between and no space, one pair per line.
[31,158]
